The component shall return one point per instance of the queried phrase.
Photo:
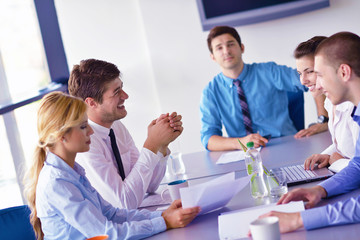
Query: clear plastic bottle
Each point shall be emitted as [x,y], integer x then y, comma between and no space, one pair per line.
[255,169]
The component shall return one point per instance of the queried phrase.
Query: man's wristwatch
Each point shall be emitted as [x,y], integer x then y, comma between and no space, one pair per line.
[322,119]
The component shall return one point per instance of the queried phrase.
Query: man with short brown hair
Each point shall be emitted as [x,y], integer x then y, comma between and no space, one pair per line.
[337,65]
[249,100]
[113,164]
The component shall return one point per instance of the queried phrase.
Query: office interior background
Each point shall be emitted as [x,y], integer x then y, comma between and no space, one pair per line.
[159,47]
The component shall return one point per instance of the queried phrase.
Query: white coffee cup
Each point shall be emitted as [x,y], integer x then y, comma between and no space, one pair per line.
[174,189]
[265,229]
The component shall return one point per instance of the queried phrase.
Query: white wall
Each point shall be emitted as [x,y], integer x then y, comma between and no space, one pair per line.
[160,45]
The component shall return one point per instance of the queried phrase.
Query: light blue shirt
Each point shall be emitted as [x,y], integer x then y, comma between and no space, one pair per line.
[348,179]
[70,208]
[265,86]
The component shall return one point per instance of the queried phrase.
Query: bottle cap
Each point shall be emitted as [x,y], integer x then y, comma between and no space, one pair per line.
[250,144]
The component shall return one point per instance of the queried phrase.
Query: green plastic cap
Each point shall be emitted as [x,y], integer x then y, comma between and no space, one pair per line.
[250,144]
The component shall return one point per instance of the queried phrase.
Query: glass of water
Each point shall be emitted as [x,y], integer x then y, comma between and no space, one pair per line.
[277,183]
[176,164]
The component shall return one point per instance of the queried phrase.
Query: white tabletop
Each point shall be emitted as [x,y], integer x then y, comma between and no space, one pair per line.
[283,151]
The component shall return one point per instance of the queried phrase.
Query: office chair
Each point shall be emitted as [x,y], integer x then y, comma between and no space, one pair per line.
[15,224]
[296,109]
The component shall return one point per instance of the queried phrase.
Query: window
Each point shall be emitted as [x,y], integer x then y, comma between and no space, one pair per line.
[24,78]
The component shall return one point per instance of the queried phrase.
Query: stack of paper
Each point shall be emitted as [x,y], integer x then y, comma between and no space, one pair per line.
[213,194]
[236,224]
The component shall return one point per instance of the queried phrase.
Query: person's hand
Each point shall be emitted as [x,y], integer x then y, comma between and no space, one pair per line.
[175,216]
[321,159]
[175,122]
[288,222]
[160,134]
[311,195]
[313,129]
[256,138]
[334,157]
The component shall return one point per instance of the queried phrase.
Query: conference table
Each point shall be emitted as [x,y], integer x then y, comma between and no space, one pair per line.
[201,167]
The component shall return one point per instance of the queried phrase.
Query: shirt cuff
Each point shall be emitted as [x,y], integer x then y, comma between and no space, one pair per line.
[329,150]
[155,214]
[149,158]
[163,158]
[159,224]
[314,218]
[330,187]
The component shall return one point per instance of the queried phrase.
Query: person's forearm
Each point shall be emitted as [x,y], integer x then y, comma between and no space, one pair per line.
[219,143]
[150,145]
[319,101]
[322,191]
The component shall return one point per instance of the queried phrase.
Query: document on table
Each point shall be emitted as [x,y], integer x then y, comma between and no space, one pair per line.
[213,194]
[232,156]
[244,217]
[153,199]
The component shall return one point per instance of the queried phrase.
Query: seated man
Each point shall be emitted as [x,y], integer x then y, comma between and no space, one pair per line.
[344,131]
[337,65]
[250,100]
[113,164]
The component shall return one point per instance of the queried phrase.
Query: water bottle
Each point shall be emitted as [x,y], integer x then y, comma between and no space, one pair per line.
[255,169]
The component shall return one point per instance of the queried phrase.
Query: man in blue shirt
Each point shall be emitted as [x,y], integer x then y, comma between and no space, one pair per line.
[265,86]
[337,65]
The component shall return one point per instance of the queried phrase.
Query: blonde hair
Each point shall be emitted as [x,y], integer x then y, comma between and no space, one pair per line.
[57,114]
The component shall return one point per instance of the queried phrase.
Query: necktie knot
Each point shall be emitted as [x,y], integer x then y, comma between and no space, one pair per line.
[111,133]
[237,83]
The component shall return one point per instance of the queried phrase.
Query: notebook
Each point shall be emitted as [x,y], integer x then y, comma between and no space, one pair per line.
[296,174]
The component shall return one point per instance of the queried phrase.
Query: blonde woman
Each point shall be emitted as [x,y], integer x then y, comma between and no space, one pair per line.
[63,203]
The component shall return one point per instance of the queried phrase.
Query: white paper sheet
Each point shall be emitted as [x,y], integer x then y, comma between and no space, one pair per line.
[232,156]
[243,218]
[213,194]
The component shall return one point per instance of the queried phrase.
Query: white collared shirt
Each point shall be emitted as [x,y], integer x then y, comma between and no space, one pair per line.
[344,130]
[144,171]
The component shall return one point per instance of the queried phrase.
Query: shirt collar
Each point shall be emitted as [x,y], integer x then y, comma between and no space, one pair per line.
[356,114]
[241,77]
[57,162]
[101,131]
[345,106]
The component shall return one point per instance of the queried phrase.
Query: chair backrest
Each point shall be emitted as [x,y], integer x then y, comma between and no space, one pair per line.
[296,109]
[15,224]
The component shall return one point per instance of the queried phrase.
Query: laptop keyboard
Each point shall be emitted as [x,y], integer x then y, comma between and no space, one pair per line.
[297,172]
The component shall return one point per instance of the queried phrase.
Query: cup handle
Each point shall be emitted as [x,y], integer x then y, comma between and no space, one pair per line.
[162,194]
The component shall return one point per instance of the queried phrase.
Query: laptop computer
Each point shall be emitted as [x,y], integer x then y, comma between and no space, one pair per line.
[296,174]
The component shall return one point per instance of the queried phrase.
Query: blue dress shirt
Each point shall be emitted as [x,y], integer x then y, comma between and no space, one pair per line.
[70,208]
[348,179]
[265,86]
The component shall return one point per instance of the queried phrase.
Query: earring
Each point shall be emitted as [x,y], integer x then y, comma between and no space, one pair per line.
[63,140]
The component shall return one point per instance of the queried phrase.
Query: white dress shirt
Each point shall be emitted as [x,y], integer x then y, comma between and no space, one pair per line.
[144,171]
[344,131]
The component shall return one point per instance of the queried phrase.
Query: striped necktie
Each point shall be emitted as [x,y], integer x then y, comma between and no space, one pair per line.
[117,154]
[244,107]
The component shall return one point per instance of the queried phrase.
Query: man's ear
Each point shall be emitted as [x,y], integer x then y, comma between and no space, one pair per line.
[90,102]
[212,57]
[242,46]
[345,72]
